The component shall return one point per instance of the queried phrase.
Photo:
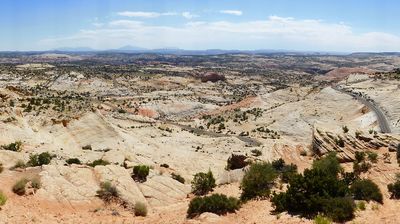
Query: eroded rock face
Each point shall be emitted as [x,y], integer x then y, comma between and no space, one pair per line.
[121,178]
[163,190]
[212,77]
[68,183]
[77,183]
[347,144]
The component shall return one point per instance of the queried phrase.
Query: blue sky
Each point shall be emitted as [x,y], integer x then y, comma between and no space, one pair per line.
[323,25]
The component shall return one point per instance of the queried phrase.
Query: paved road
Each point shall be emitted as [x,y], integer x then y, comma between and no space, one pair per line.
[383,122]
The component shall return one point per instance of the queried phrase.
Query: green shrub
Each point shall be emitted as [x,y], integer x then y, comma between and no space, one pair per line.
[140,173]
[345,129]
[394,188]
[3,199]
[73,161]
[361,206]
[19,186]
[372,156]
[317,191]
[216,203]
[329,164]
[359,156]
[366,190]
[339,209]
[15,146]
[320,219]
[203,183]
[307,193]
[140,209]
[107,192]
[257,181]
[35,183]
[99,162]
[87,147]
[285,171]
[43,158]
[178,177]
[236,162]
[361,167]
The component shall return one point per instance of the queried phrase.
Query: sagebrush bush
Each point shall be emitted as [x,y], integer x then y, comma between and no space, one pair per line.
[43,158]
[19,164]
[35,183]
[20,186]
[140,172]
[366,190]
[257,181]
[140,209]
[107,192]
[178,178]
[3,198]
[73,161]
[99,162]
[203,183]
[216,203]
[236,162]
[1,168]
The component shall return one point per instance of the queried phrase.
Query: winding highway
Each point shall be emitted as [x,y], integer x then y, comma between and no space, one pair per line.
[383,122]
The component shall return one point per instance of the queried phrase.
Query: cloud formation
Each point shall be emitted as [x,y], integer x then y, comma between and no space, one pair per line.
[145,14]
[273,33]
[232,12]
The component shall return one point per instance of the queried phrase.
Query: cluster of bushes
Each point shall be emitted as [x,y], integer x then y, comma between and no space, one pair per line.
[99,162]
[324,189]
[178,178]
[43,158]
[236,162]
[73,161]
[360,165]
[15,146]
[216,203]
[140,173]
[21,185]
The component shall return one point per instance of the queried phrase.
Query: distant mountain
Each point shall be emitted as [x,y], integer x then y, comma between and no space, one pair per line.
[74,49]
[368,54]
[129,48]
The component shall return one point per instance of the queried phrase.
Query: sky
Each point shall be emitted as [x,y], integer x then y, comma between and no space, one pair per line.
[303,25]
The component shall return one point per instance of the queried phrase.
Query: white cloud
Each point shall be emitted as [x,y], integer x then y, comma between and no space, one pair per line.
[273,33]
[189,15]
[145,14]
[232,12]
